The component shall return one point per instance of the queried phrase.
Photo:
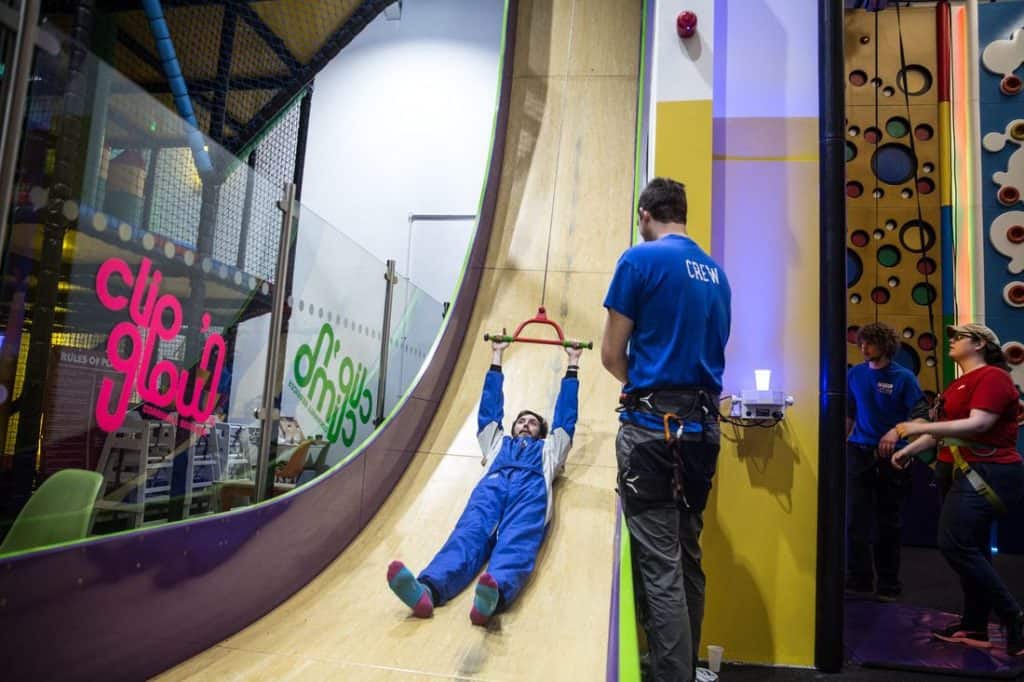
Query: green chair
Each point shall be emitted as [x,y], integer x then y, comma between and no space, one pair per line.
[59,511]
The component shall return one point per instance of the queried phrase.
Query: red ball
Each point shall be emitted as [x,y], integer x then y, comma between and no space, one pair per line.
[686,24]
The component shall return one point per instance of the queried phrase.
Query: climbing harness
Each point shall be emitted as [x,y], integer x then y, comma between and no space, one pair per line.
[659,475]
[973,477]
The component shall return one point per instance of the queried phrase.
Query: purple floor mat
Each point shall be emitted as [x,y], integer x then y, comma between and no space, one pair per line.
[898,636]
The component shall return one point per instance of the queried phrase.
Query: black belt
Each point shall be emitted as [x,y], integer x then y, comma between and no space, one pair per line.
[660,401]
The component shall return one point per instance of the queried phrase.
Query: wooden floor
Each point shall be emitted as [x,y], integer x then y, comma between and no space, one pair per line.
[567,181]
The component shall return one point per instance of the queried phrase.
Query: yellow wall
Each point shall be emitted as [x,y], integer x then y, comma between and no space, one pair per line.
[761,523]
[683,151]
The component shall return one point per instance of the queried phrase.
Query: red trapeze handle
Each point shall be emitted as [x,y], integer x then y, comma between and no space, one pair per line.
[540,318]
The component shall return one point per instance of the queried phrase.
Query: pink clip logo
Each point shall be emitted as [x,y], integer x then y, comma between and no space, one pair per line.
[157,317]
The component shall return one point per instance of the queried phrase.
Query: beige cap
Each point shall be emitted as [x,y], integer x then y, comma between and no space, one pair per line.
[978,331]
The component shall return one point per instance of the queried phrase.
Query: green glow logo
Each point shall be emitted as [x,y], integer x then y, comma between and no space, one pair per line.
[333,389]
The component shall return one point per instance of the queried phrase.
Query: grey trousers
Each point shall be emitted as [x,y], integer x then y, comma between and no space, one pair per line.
[667,559]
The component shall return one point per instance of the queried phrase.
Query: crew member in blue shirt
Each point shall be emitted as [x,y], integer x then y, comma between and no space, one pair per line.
[668,322]
[881,394]
[508,512]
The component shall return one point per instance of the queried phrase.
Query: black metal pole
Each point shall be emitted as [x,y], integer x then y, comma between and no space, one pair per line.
[150,188]
[192,313]
[250,187]
[305,106]
[67,175]
[300,144]
[15,101]
[14,96]
[828,641]
[205,237]
[218,112]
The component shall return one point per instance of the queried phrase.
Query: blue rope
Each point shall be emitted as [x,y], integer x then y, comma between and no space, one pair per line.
[172,70]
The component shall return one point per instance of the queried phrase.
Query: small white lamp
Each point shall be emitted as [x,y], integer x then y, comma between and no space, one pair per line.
[762,405]
[762,379]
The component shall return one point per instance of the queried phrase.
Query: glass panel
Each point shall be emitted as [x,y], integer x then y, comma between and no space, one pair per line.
[135,306]
[415,322]
[332,355]
[124,299]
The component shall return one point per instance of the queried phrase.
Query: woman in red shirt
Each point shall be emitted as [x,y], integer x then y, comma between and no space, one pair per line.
[981,473]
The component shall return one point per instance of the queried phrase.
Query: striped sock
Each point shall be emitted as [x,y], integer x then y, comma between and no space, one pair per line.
[412,592]
[486,600]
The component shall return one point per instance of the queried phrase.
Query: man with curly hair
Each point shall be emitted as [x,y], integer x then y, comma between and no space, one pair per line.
[881,394]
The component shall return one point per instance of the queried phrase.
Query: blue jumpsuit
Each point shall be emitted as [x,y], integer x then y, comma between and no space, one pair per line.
[507,514]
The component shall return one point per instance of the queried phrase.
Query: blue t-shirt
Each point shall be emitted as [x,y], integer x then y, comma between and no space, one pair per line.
[679,301]
[879,399]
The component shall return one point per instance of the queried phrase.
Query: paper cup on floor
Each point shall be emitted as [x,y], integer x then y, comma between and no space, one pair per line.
[714,657]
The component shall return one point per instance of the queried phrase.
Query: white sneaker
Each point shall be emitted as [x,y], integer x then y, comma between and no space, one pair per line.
[705,675]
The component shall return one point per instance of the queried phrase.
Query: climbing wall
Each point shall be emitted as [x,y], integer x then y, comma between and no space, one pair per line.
[1001,42]
[1001,46]
[892,184]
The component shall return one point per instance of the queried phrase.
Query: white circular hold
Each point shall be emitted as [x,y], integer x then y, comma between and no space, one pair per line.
[1002,56]
[3,393]
[38,196]
[993,142]
[189,257]
[222,272]
[288,300]
[207,264]
[70,209]
[252,282]
[169,250]
[148,241]
[99,222]
[124,231]
[999,233]
[238,278]
[265,289]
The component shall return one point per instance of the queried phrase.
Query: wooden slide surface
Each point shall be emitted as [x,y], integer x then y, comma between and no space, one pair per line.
[564,209]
